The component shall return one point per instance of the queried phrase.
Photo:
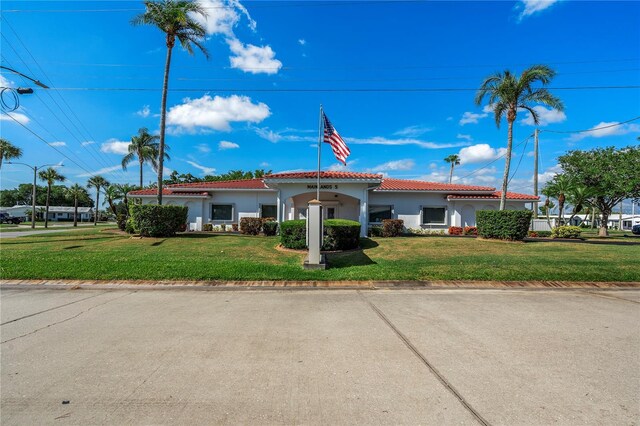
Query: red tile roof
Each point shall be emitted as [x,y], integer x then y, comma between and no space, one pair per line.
[494,196]
[420,185]
[224,184]
[324,175]
[166,191]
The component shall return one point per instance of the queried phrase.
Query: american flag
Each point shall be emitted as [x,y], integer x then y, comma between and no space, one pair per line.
[331,136]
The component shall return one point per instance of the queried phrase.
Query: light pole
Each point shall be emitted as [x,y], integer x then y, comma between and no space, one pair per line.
[33,194]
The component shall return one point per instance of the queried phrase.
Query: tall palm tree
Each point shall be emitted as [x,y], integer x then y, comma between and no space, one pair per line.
[50,176]
[146,149]
[112,193]
[508,93]
[580,197]
[97,182]
[454,160]
[175,18]
[559,188]
[8,151]
[76,193]
[124,189]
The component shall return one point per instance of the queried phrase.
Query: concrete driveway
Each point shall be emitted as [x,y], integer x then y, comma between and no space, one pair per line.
[320,357]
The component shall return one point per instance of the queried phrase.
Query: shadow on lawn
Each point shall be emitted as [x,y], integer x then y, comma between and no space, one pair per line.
[352,258]
[55,241]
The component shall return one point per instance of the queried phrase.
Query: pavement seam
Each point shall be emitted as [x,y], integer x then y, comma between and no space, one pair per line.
[66,319]
[609,296]
[426,362]
[50,309]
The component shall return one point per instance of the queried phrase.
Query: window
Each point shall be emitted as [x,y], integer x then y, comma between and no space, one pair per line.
[378,213]
[434,215]
[268,210]
[302,213]
[221,212]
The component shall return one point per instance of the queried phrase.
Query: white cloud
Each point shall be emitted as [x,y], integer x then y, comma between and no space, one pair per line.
[302,42]
[222,16]
[549,174]
[264,164]
[480,153]
[253,59]
[611,128]
[5,82]
[471,117]
[529,7]
[215,113]
[274,137]
[339,167]
[58,143]
[87,143]
[203,148]
[227,145]
[406,164]
[101,171]
[545,116]
[377,140]
[413,131]
[436,176]
[205,170]
[465,137]
[114,146]
[20,118]
[144,112]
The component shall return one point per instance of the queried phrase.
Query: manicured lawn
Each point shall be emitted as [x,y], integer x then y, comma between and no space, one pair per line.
[101,254]
[26,226]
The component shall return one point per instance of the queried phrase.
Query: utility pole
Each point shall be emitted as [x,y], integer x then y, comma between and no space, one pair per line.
[33,193]
[535,172]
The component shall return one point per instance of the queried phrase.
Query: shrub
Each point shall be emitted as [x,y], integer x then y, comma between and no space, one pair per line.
[566,232]
[129,227]
[503,224]
[223,227]
[293,234]
[234,227]
[270,228]
[455,230]
[250,225]
[392,227]
[122,221]
[340,234]
[470,230]
[375,231]
[423,231]
[152,220]
[533,234]
[544,234]
[207,227]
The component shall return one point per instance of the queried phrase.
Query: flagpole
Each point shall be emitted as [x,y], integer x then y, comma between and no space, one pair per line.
[319,150]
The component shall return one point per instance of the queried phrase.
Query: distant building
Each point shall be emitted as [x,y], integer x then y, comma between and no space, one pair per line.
[56,213]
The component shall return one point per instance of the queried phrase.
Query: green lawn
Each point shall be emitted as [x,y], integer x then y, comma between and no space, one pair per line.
[26,226]
[101,254]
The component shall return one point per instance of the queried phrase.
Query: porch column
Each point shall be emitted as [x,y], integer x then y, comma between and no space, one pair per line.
[278,208]
[364,213]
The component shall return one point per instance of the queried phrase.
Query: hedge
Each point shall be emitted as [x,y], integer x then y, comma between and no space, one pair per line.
[293,234]
[454,230]
[250,225]
[566,232]
[341,234]
[392,227]
[270,227]
[503,224]
[470,230]
[151,220]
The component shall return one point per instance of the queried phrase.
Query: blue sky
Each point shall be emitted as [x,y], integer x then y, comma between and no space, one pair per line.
[249,105]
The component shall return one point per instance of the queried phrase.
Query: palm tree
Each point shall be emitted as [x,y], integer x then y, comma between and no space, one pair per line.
[175,18]
[50,176]
[559,187]
[8,151]
[125,188]
[507,94]
[97,182]
[579,197]
[112,193]
[76,192]
[145,148]
[454,160]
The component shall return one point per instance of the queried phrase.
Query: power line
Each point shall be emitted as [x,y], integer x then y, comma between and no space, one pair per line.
[592,130]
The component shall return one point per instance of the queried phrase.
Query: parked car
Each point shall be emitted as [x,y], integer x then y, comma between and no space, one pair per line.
[636,229]
[7,218]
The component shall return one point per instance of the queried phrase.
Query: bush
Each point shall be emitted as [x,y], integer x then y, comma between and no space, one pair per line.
[539,234]
[375,231]
[470,230]
[250,225]
[392,227]
[234,227]
[152,220]
[122,221]
[129,227]
[566,232]
[293,234]
[510,225]
[455,230]
[270,228]
[207,227]
[340,234]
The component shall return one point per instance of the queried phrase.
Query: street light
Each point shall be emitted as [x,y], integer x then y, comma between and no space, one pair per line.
[38,82]
[12,104]
[33,195]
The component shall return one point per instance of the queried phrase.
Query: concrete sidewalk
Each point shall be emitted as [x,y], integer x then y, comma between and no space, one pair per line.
[321,357]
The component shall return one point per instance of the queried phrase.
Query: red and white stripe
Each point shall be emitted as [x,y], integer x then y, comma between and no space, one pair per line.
[332,137]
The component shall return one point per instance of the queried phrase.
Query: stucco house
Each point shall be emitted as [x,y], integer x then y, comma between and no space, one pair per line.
[364,197]
[56,213]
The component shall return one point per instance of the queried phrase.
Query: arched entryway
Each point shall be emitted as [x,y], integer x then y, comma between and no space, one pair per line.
[335,205]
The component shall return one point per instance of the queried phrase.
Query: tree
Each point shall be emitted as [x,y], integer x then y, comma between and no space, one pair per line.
[454,160]
[507,94]
[580,198]
[177,19]
[76,192]
[112,193]
[610,175]
[124,189]
[97,182]
[8,151]
[50,176]
[558,188]
[146,149]
[546,209]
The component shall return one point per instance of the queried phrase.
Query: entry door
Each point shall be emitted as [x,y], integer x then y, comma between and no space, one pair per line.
[330,212]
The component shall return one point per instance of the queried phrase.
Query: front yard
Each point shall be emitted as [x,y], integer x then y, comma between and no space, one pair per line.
[96,254]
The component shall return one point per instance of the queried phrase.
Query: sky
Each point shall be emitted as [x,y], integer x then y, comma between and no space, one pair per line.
[396,79]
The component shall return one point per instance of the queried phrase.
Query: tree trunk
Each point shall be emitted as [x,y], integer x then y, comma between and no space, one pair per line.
[163,114]
[95,216]
[75,212]
[507,166]
[602,232]
[46,211]
[141,164]
[451,173]
[560,210]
